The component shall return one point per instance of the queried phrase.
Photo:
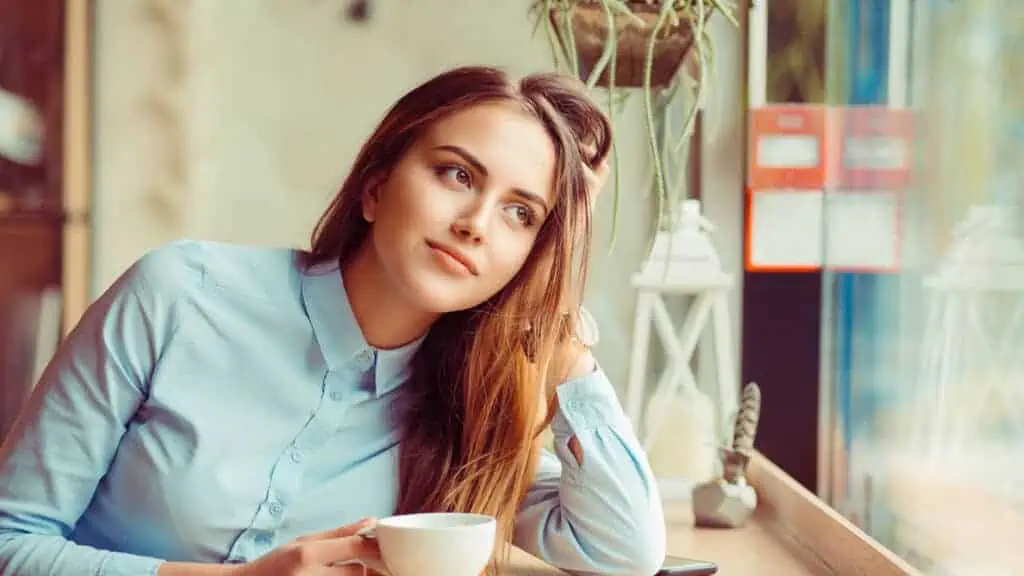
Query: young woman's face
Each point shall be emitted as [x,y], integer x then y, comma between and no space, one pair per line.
[457,216]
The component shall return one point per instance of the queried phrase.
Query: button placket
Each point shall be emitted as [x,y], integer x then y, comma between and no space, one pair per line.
[285,480]
[318,428]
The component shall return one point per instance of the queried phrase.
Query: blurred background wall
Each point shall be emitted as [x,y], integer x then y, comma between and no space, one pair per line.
[232,124]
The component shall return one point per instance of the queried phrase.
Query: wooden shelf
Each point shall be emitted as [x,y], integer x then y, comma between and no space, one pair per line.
[45,235]
[77,193]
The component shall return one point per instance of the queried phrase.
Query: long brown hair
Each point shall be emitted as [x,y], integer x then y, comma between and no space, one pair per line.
[471,413]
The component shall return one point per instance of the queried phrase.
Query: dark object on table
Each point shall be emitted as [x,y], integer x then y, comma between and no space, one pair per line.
[676,566]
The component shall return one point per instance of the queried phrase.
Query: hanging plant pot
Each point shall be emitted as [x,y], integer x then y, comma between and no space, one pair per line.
[588,23]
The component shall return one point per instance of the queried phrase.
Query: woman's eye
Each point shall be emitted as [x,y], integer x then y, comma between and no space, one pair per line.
[457,174]
[522,213]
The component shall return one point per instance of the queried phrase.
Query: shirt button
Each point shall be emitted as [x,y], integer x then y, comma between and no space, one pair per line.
[263,539]
[336,395]
[296,456]
[275,510]
[365,359]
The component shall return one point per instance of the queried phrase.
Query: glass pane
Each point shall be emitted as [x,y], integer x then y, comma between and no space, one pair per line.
[924,379]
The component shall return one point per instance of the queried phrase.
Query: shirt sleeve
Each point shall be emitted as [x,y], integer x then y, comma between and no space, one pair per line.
[69,428]
[603,515]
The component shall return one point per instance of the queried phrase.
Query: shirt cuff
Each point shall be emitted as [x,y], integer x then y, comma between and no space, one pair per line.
[586,403]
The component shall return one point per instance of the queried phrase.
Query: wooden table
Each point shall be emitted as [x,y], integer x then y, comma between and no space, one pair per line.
[752,549]
[793,533]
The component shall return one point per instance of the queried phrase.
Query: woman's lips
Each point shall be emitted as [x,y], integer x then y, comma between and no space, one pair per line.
[450,260]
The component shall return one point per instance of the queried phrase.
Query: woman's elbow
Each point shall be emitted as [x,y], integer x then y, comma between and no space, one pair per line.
[648,551]
[639,552]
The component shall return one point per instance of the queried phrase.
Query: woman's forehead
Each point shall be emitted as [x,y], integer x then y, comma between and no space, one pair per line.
[509,144]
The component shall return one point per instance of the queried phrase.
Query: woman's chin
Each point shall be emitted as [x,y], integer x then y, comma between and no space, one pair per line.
[439,294]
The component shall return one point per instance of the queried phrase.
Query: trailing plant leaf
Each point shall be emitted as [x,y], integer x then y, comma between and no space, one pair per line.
[542,15]
[699,45]
[621,7]
[619,100]
[570,41]
[659,174]
[667,147]
[726,11]
[610,45]
[613,44]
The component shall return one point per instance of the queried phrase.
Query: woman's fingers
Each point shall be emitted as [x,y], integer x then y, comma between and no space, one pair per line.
[342,532]
[331,551]
[596,177]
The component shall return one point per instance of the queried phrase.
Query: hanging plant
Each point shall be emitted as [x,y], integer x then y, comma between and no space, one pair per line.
[650,46]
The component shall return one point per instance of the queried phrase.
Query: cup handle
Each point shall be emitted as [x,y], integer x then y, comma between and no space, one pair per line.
[375,564]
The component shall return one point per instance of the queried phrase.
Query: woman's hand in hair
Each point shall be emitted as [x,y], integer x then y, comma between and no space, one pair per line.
[572,358]
[597,177]
[576,361]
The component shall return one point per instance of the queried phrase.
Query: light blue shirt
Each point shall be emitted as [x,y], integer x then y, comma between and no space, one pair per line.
[219,401]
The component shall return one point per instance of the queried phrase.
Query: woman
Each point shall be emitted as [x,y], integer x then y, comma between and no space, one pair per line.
[222,409]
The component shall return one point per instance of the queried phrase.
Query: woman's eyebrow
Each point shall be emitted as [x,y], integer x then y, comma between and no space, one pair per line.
[479,167]
[472,160]
[531,197]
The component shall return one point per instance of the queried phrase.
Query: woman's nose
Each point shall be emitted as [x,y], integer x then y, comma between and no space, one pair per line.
[472,223]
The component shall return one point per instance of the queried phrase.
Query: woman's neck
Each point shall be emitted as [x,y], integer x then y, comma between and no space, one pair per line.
[385,318]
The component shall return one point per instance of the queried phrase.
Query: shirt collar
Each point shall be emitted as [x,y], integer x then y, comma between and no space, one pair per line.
[338,334]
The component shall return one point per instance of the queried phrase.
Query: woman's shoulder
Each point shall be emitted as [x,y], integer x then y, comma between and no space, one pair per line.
[187,264]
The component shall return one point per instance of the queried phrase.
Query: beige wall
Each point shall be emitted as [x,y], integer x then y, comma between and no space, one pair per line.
[236,121]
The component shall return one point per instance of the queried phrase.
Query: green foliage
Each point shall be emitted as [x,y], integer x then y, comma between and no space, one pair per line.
[672,17]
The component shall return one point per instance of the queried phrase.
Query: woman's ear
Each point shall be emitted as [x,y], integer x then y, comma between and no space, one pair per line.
[371,198]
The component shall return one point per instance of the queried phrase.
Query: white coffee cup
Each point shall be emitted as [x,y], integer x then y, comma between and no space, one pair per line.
[434,544]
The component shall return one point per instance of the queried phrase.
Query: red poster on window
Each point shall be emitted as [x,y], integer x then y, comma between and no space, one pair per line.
[789,147]
[875,148]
